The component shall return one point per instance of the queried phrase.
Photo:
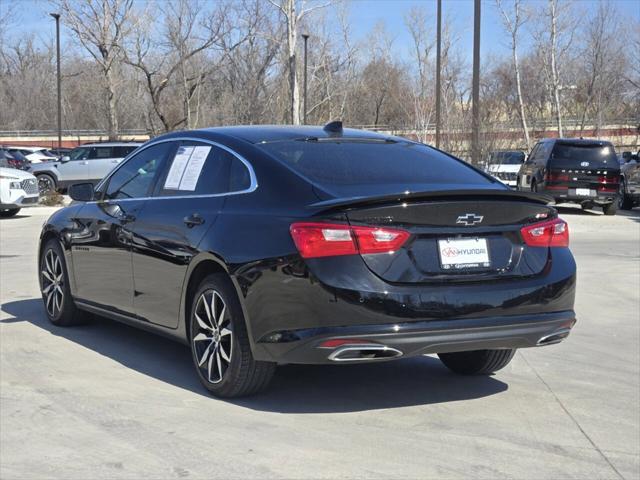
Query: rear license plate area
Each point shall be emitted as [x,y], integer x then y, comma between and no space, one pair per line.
[458,254]
[585,192]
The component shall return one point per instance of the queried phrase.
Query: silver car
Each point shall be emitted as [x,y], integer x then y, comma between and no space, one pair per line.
[86,163]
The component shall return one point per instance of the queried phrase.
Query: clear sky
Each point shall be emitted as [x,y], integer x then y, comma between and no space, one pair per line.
[365,14]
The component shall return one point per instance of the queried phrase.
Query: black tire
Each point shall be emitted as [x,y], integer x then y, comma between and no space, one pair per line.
[477,362]
[624,201]
[534,186]
[225,336]
[59,306]
[9,212]
[46,183]
[610,208]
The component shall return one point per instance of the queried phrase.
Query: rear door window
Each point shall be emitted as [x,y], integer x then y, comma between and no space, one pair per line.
[199,168]
[97,153]
[121,152]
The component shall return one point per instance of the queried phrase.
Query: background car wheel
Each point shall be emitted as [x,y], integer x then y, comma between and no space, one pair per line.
[534,186]
[54,284]
[46,184]
[624,201]
[220,343]
[611,208]
[9,212]
[477,362]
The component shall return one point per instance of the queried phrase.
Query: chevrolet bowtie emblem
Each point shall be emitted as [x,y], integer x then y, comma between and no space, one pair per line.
[469,219]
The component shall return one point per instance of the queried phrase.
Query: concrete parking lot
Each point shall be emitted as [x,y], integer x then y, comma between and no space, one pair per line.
[108,401]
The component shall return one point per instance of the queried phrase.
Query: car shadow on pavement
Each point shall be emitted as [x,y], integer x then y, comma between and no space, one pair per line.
[295,388]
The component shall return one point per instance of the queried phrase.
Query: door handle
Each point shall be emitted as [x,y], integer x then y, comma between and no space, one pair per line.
[193,220]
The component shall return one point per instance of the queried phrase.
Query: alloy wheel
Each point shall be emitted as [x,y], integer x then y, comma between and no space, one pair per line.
[213,340]
[45,184]
[53,283]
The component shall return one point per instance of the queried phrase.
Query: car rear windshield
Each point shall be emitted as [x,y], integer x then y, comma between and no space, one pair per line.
[575,155]
[348,167]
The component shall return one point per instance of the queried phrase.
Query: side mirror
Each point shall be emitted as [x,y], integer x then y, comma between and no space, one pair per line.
[82,192]
[65,159]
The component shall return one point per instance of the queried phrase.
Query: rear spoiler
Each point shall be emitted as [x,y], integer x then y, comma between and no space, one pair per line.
[484,194]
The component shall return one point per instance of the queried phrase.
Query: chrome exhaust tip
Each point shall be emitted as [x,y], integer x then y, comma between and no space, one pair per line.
[363,353]
[555,337]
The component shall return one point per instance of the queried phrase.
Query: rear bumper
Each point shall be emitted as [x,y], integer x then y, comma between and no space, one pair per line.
[290,311]
[419,338]
[569,195]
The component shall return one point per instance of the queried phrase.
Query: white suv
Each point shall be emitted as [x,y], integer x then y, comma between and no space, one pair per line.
[87,163]
[17,189]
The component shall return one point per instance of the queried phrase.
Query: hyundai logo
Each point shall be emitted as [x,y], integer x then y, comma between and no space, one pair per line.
[469,219]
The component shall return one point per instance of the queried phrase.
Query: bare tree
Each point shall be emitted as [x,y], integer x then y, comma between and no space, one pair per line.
[101,27]
[512,23]
[248,67]
[293,12]
[554,38]
[423,105]
[599,50]
[166,62]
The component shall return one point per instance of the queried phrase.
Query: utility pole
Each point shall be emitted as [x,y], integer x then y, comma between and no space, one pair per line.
[305,36]
[57,18]
[438,70]
[475,126]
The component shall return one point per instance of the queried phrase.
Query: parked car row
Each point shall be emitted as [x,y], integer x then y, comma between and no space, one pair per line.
[86,163]
[33,154]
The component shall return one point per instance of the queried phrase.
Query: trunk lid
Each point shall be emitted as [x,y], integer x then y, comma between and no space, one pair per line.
[460,236]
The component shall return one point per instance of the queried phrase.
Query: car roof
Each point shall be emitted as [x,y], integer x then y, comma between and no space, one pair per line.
[583,141]
[111,144]
[275,133]
[24,147]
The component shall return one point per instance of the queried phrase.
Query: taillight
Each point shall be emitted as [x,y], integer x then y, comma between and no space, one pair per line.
[556,177]
[552,233]
[608,183]
[315,240]
[607,179]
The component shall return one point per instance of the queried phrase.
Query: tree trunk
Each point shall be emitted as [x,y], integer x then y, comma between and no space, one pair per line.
[292,40]
[523,118]
[555,80]
[112,114]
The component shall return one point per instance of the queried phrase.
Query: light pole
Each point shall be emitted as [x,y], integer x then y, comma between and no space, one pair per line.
[475,94]
[305,36]
[438,70]
[57,18]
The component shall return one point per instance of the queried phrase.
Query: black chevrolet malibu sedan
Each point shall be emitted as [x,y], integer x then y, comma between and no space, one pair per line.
[260,246]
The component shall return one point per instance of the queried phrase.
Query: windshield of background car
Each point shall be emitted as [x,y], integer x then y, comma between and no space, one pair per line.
[510,158]
[575,155]
[356,167]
